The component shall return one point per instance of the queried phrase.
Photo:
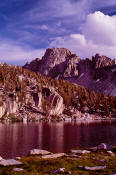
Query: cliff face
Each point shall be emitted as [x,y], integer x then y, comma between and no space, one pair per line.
[23,94]
[35,102]
[98,74]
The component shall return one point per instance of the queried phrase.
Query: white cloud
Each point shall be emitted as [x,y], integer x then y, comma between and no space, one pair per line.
[100,28]
[58,9]
[10,52]
[98,36]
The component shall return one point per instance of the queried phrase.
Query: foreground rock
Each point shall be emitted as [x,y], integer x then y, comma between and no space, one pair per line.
[1,158]
[10,162]
[54,156]
[18,169]
[110,153]
[96,168]
[99,162]
[39,152]
[60,170]
[80,151]
[102,146]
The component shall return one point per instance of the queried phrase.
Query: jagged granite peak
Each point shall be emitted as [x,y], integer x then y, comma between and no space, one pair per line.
[56,55]
[102,61]
[54,62]
[98,73]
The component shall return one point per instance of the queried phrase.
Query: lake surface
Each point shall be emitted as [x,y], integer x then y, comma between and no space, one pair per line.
[18,138]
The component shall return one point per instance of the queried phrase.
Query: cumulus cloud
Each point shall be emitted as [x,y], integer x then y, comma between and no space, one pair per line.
[98,36]
[100,28]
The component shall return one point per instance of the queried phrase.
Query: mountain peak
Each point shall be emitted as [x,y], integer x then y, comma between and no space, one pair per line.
[60,63]
[102,61]
[57,52]
[54,61]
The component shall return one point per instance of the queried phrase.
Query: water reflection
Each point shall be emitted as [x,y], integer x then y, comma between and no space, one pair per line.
[18,138]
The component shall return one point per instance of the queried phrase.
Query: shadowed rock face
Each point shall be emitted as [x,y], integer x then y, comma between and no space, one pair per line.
[98,74]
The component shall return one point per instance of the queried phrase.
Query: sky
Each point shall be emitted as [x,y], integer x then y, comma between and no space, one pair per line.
[29,27]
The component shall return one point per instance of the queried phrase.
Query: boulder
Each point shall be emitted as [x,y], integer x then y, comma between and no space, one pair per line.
[80,151]
[18,169]
[18,158]
[39,152]
[60,170]
[102,146]
[96,168]
[10,162]
[1,158]
[110,153]
[53,156]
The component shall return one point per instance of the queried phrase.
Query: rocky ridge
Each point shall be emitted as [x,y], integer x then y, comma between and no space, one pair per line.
[60,63]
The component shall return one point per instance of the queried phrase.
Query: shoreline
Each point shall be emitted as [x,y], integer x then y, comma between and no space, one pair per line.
[75,161]
[58,119]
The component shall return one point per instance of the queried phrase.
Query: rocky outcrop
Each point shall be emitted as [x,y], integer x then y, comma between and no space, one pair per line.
[10,162]
[102,146]
[54,156]
[60,63]
[56,105]
[2,111]
[8,107]
[46,101]
[102,61]
[95,168]
[39,152]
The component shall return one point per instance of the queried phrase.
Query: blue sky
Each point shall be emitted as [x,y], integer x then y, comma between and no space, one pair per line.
[28,27]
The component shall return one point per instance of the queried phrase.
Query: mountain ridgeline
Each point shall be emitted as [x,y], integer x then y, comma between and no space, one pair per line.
[98,74]
[48,96]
